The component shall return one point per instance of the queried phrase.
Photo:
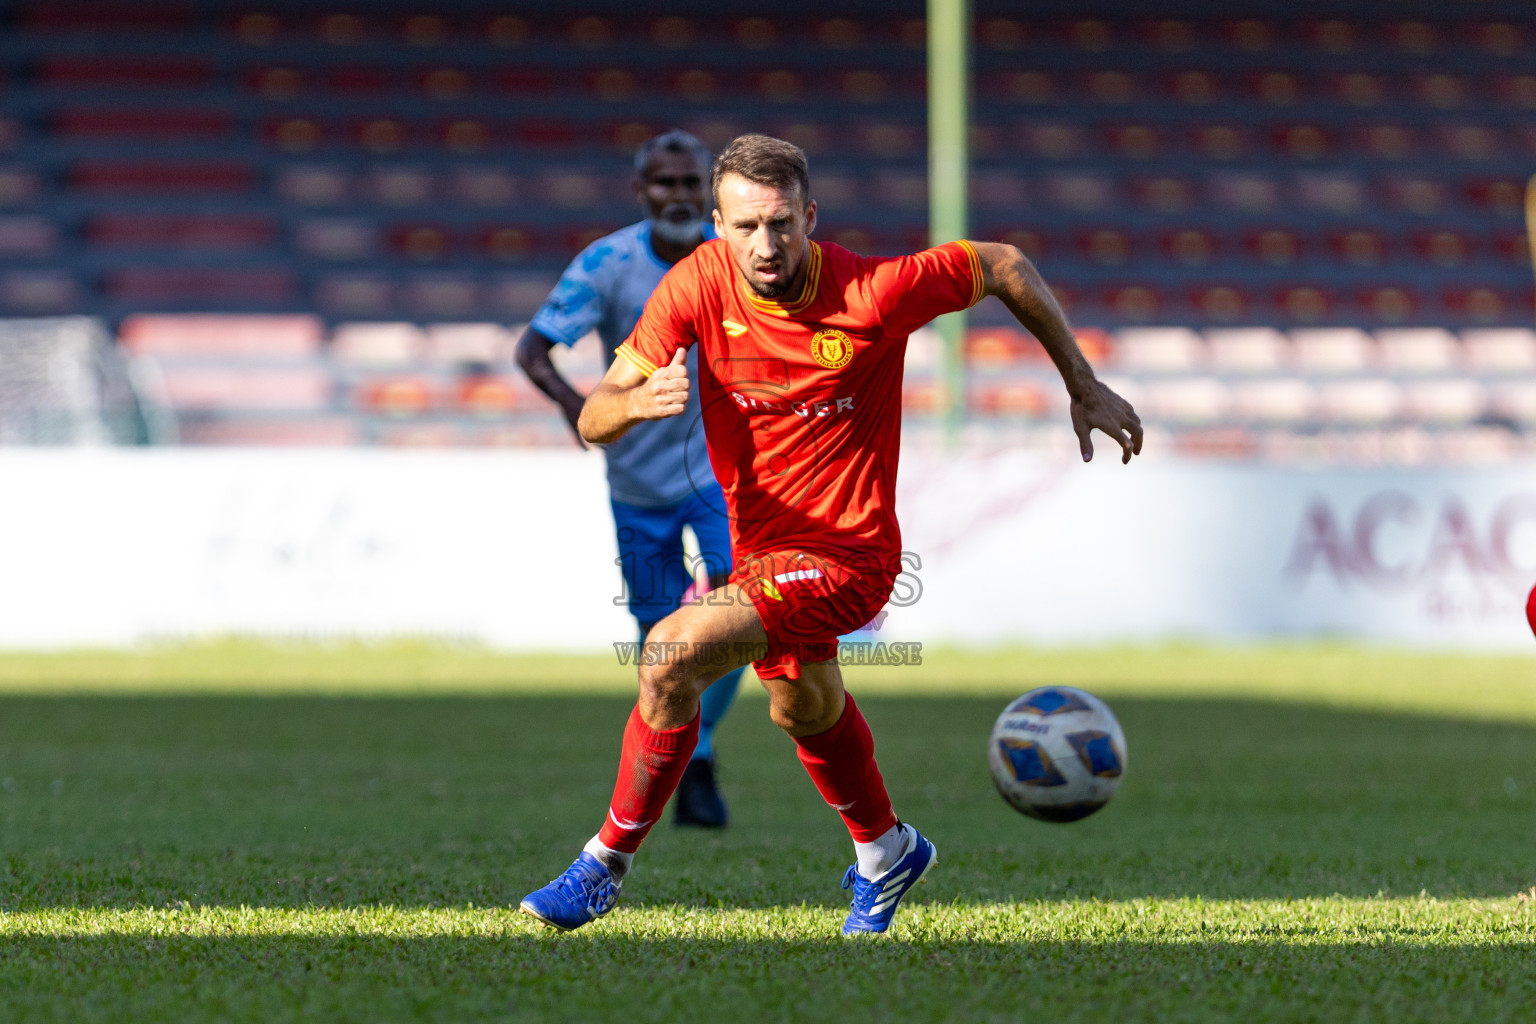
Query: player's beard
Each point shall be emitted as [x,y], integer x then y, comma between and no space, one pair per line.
[679,231]
[771,289]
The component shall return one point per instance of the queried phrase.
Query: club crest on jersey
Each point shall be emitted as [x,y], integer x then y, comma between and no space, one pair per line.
[832,349]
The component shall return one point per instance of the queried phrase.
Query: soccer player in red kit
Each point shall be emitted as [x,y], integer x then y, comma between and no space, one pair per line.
[801,349]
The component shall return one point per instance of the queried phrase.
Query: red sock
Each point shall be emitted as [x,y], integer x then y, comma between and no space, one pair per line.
[841,761]
[650,767]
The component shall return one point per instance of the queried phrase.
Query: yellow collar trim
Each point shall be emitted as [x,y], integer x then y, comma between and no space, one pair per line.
[808,290]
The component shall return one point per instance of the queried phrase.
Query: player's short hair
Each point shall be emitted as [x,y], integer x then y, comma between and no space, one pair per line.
[763,160]
[674,141]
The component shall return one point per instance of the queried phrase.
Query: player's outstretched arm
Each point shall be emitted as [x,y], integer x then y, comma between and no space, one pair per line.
[1011,277]
[627,396]
[533,357]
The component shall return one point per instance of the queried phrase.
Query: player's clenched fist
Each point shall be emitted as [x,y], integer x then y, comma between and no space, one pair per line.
[665,393]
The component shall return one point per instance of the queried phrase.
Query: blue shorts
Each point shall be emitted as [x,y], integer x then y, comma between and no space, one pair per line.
[656,572]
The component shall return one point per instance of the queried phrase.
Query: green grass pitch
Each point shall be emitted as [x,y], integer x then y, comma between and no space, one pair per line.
[264,833]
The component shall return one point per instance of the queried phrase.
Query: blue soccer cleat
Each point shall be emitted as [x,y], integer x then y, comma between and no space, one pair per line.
[875,902]
[584,893]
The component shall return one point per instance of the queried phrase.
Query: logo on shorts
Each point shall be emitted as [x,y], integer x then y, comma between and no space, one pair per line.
[769,590]
[832,349]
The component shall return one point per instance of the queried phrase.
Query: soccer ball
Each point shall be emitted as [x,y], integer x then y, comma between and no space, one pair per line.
[1057,754]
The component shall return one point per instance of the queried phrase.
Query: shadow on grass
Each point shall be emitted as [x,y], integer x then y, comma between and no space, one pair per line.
[612,978]
[292,802]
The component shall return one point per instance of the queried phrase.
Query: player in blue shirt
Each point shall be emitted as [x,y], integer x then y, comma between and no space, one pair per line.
[659,477]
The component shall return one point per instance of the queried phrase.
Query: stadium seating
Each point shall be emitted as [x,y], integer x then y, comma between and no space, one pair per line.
[1287,221]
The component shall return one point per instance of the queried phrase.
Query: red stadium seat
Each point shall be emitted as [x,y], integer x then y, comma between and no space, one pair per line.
[1191,247]
[223,335]
[1029,398]
[256,28]
[464,135]
[1392,304]
[1386,141]
[1302,141]
[1332,35]
[341,29]
[422,243]
[1472,142]
[1306,303]
[145,124]
[199,231]
[525,82]
[444,83]
[1111,87]
[1484,306]
[1275,247]
[201,285]
[841,33]
[1165,193]
[170,177]
[590,32]
[1417,37]
[1276,88]
[106,71]
[1091,35]
[1000,346]
[1107,247]
[546,133]
[426,30]
[295,133]
[696,85]
[1359,247]
[1001,34]
[397,395]
[507,30]
[1514,247]
[1135,141]
[1360,88]
[1027,87]
[1137,303]
[613,85]
[1251,35]
[1222,141]
[507,243]
[1197,88]
[356,80]
[1442,91]
[1222,303]
[1444,248]
[277,83]
[1415,195]
[1516,90]
[486,395]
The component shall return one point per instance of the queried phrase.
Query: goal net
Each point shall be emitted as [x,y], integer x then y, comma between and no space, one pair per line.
[62,382]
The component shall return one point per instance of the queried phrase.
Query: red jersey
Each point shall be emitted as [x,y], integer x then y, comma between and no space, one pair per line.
[801,398]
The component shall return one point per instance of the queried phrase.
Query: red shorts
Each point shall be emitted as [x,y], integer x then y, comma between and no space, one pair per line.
[807,601]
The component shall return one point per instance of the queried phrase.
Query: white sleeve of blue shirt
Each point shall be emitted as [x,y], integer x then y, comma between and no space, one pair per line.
[576,305]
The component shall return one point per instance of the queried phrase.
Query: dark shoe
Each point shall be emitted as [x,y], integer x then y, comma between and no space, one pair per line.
[698,798]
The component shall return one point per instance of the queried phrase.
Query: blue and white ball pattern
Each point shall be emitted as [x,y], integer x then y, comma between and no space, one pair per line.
[1057,754]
